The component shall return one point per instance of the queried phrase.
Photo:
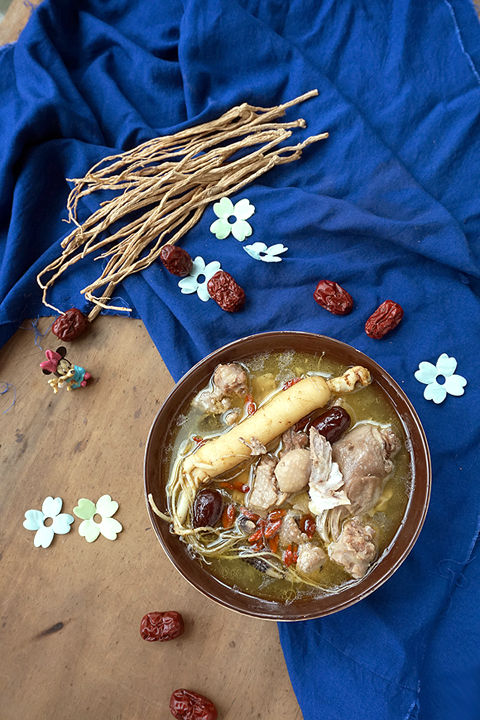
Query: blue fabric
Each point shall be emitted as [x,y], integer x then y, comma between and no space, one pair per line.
[389,207]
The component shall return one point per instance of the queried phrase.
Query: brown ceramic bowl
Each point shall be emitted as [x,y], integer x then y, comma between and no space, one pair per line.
[156,476]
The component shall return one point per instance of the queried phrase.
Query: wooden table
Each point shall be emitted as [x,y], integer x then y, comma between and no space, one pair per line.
[70,614]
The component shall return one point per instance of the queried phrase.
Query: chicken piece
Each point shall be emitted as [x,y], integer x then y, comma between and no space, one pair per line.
[290,532]
[256,447]
[211,402]
[326,482]
[357,375]
[364,458]
[354,550]
[293,470]
[292,440]
[228,380]
[310,558]
[231,379]
[265,493]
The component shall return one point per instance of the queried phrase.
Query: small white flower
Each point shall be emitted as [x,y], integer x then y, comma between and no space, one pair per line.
[191,284]
[232,219]
[35,520]
[90,529]
[259,251]
[445,367]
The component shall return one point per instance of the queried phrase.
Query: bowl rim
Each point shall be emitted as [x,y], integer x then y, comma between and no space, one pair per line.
[371,587]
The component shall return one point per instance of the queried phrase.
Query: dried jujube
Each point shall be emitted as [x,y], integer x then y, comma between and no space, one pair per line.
[226,291]
[333,297]
[70,325]
[161,626]
[189,705]
[176,260]
[332,423]
[207,508]
[385,319]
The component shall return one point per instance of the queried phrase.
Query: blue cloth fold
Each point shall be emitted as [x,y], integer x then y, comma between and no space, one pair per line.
[388,207]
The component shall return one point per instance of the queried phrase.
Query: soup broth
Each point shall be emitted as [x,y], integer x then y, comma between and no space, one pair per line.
[267,376]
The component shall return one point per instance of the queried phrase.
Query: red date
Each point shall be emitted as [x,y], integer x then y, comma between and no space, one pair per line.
[161,626]
[226,291]
[207,508]
[189,705]
[176,260]
[385,319]
[333,297]
[332,423]
[70,325]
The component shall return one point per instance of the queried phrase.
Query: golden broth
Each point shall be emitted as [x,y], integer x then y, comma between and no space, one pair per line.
[268,373]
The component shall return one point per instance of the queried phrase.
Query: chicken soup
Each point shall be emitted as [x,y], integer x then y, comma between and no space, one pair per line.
[289,475]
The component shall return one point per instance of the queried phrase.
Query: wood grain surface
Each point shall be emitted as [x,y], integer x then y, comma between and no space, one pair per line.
[70,614]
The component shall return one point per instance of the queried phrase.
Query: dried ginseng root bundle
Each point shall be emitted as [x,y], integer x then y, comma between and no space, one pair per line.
[161,189]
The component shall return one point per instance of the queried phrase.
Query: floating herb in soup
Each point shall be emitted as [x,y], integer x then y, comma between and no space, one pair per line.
[289,475]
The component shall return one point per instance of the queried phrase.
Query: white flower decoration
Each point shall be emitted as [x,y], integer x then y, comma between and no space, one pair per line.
[90,529]
[259,251]
[35,520]
[240,212]
[445,367]
[190,284]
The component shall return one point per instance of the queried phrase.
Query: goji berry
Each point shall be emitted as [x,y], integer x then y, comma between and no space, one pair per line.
[291,382]
[256,536]
[290,555]
[234,485]
[228,516]
[272,528]
[250,515]
[273,543]
[308,526]
[251,404]
[276,515]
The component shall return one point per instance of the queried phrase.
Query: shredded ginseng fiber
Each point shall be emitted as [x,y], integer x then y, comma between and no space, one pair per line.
[159,190]
[301,512]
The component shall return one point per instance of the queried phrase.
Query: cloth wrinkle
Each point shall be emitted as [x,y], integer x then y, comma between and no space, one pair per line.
[392,151]
[367,667]
[460,40]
